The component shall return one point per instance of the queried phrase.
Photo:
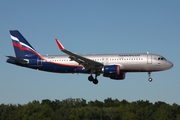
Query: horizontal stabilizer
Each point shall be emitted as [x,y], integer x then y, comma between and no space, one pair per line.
[18,60]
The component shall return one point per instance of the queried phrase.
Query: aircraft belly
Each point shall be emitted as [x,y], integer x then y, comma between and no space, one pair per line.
[132,67]
[54,67]
[136,67]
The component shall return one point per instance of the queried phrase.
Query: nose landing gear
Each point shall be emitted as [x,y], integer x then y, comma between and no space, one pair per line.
[149,75]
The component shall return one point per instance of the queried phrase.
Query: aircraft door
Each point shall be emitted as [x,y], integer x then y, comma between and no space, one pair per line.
[149,59]
[39,62]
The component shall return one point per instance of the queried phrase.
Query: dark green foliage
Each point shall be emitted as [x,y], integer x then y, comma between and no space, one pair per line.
[79,109]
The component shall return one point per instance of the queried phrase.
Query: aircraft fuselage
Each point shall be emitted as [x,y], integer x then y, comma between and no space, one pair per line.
[127,63]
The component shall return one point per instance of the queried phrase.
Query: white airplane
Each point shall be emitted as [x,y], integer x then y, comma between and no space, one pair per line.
[113,66]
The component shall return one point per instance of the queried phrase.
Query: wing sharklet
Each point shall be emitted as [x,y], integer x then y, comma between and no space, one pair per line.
[59,45]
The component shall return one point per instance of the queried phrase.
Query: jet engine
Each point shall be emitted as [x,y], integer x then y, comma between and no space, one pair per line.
[113,72]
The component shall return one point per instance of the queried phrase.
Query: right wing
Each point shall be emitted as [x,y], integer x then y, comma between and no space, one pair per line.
[86,62]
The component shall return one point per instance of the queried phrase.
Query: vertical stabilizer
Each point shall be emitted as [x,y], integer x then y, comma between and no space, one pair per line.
[21,46]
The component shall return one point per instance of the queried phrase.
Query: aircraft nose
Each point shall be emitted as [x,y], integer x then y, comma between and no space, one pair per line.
[169,64]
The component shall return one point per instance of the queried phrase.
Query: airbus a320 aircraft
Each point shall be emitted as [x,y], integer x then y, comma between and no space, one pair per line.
[113,66]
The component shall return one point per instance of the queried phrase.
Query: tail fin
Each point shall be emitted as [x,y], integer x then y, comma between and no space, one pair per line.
[21,46]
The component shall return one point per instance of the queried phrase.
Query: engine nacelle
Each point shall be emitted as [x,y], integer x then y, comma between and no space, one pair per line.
[121,76]
[111,70]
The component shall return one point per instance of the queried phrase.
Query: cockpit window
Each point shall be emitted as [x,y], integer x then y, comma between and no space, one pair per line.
[161,58]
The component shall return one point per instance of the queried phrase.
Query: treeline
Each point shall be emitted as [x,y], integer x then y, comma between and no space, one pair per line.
[79,109]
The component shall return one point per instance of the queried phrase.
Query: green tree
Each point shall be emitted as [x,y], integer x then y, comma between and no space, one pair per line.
[78,109]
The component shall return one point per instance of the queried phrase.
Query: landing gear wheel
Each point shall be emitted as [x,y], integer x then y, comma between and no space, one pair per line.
[90,78]
[95,81]
[150,79]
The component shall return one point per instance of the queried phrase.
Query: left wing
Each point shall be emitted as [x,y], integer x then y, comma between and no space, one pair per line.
[86,62]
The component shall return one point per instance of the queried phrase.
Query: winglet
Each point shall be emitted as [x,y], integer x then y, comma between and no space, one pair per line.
[59,45]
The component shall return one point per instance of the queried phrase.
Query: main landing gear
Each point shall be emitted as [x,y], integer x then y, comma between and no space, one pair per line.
[149,75]
[92,79]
